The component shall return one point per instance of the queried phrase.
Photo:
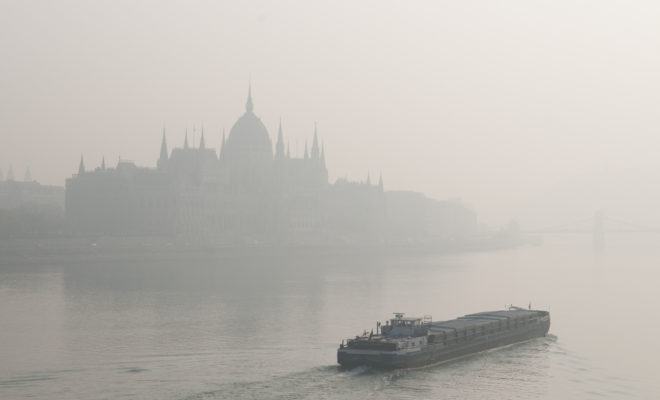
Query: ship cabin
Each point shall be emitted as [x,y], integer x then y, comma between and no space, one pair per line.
[401,326]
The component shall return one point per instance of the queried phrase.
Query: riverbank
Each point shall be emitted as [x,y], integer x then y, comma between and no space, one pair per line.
[18,252]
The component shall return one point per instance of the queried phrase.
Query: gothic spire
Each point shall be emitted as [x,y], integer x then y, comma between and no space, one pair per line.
[163,148]
[323,156]
[315,145]
[248,105]
[185,141]
[81,167]
[279,147]
[103,162]
[222,146]
[202,144]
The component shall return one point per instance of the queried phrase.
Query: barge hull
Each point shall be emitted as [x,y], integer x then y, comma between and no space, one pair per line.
[441,352]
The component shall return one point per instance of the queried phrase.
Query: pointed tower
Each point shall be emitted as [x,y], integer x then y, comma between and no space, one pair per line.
[222,146]
[103,163]
[279,147]
[306,156]
[202,144]
[368,179]
[162,160]
[10,173]
[380,182]
[324,170]
[323,156]
[81,167]
[249,106]
[185,141]
[28,175]
[315,145]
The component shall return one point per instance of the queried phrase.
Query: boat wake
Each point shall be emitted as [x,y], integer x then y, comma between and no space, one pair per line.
[532,369]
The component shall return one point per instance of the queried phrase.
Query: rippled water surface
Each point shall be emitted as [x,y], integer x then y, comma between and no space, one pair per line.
[267,325]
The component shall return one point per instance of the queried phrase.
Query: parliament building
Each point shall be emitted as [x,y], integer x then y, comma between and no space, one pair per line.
[250,193]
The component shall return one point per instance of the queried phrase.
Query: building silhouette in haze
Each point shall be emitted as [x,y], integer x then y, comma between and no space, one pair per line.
[248,194]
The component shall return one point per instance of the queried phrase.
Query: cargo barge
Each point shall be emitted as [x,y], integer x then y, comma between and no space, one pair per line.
[404,342]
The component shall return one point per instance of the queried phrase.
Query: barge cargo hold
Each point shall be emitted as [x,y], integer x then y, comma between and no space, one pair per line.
[405,342]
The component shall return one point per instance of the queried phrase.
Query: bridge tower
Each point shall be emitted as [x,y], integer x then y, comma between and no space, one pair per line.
[598,231]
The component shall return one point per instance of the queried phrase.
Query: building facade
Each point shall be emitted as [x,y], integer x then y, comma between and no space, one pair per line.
[248,193]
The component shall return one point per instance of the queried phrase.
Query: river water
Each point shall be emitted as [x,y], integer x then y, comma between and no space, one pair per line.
[267,326]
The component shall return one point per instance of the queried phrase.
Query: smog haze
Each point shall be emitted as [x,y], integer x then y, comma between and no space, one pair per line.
[500,104]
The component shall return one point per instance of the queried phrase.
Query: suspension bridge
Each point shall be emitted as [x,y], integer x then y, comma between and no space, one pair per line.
[598,223]
[598,226]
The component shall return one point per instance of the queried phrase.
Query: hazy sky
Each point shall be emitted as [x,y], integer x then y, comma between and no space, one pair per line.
[490,101]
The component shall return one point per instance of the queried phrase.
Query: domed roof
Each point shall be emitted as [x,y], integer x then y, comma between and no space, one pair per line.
[248,139]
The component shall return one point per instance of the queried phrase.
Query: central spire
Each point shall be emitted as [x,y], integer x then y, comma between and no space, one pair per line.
[248,105]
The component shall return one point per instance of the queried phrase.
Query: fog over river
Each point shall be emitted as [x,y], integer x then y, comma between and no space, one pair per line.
[267,325]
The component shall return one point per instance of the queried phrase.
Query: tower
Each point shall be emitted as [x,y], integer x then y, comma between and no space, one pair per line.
[323,157]
[222,146]
[279,147]
[162,160]
[598,231]
[315,145]
[81,167]
[249,106]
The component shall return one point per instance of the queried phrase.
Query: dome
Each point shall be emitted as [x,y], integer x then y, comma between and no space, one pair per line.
[248,141]
[248,152]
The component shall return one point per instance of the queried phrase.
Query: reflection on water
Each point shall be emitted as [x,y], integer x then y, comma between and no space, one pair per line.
[267,325]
